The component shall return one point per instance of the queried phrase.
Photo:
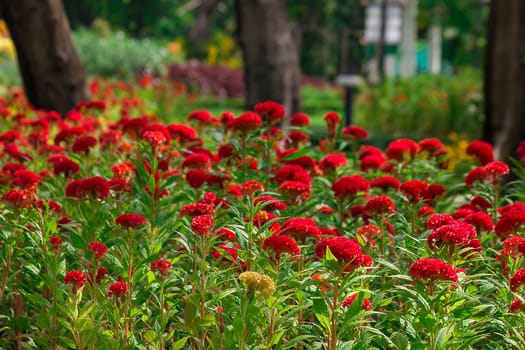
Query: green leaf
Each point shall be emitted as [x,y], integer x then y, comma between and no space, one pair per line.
[179,343]
[400,340]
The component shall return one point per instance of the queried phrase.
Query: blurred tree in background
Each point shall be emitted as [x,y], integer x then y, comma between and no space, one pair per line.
[51,70]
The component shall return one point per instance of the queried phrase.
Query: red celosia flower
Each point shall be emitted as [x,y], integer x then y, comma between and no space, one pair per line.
[226,117]
[325,209]
[367,232]
[197,177]
[119,185]
[117,289]
[514,246]
[161,266]
[155,138]
[413,190]
[19,198]
[354,133]
[229,255]
[181,133]
[482,151]
[294,191]
[271,111]
[432,146]
[270,203]
[245,123]
[385,182]
[517,279]
[372,162]
[65,165]
[380,205]
[55,241]
[347,252]
[69,133]
[109,137]
[98,248]
[248,188]
[225,234]
[481,203]
[432,192]
[197,161]
[95,187]
[10,136]
[332,119]
[101,272]
[332,161]
[297,137]
[292,172]
[497,168]
[25,179]
[83,144]
[305,161]
[203,117]
[481,221]
[432,269]
[402,149]
[475,175]
[301,229]
[300,119]
[367,305]
[516,306]
[263,217]
[280,244]
[367,150]
[130,221]
[196,209]
[349,186]
[122,170]
[76,278]
[156,128]
[456,234]
[425,211]
[202,225]
[509,222]
[439,220]
[13,167]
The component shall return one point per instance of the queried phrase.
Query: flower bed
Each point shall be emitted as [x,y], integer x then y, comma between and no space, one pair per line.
[119,231]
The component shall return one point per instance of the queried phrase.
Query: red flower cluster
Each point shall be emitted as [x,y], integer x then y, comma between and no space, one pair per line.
[292,172]
[76,278]
[402,149]
[94,187]
[380,205]
[301,229]
[270,203]
[117,290]
[270,111]
[354,133]
[432,269]
[196,209]
[414,190]
[332,161]
[161,266]
[202,225]
[280,244]
[517,279]
[25,179]
[458,234]
[131,220]
[350,186]
[511,220]
[245,123]
[367,305]
[98,248]
[248,188]
[347,252]
[385,182]
[482,151]
[84,143]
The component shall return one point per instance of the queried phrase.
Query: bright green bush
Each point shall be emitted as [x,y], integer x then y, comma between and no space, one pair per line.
[423,106]
[118,55]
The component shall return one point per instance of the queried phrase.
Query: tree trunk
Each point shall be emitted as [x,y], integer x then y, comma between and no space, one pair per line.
[505,78]
[271,63]
[409,39]
[53,76]
[202,28]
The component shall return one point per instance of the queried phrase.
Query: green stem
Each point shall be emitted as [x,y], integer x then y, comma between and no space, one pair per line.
[333,318]
[7,267]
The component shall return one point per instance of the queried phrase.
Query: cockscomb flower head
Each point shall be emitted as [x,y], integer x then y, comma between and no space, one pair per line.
[255,281]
